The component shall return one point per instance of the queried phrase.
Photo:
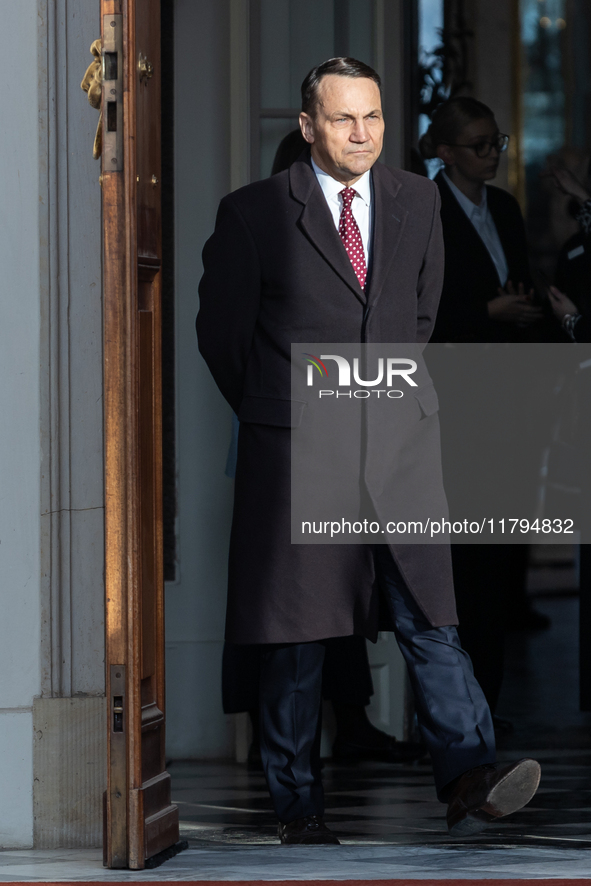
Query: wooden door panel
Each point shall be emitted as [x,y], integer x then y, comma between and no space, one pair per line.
[140,819]
[147,498]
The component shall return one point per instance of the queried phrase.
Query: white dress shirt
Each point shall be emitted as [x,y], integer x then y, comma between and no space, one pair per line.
[485,227]
[361,205]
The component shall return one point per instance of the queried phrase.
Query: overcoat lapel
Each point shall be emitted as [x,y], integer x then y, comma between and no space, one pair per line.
[317,224]
[389,219]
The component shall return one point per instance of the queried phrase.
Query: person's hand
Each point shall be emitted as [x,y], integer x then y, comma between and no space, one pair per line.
[566,182]
[561,304]
[514,306]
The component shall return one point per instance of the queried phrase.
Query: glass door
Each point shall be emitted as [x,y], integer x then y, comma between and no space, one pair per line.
[289,37]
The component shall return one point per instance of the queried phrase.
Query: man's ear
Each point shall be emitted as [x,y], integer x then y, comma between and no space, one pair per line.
[307,127]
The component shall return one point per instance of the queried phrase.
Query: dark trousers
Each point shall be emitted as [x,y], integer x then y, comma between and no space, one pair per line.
[346,677]
[453,715]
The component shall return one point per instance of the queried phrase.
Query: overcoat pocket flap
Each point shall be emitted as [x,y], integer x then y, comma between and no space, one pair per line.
[272,411]
[428,400]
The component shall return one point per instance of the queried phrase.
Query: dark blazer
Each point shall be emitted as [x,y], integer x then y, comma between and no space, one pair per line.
[276,272]
[471,279]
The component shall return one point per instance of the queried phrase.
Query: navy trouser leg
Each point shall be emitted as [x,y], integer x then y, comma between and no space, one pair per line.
[453,715]
[290,700]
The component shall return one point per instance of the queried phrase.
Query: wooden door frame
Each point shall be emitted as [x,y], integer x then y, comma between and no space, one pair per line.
[121,550]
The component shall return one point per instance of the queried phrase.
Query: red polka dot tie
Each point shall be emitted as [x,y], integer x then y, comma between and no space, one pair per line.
[351,236]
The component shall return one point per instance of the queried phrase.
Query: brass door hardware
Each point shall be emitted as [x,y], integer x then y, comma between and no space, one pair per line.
[145,68]
[92,86]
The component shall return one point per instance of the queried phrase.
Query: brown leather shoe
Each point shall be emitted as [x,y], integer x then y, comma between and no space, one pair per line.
[308,831]
[490,792]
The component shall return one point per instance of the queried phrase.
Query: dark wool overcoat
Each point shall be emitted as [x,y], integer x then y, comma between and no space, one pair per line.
[276,273]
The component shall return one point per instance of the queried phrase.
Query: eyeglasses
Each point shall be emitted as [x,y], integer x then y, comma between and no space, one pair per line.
[483,149]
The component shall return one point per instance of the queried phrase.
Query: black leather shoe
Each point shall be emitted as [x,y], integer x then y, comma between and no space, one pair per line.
[391,752]
[308,831]
[488,792]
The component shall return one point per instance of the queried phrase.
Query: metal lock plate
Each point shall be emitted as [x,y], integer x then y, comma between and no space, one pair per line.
[118,789]
[112,93]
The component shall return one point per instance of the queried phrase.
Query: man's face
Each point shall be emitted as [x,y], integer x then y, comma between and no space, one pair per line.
[347,129]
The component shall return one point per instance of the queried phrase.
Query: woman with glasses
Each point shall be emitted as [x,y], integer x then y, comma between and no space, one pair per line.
[486,297]
[486,291]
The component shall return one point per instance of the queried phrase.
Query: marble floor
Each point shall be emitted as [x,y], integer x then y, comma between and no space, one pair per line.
[374,804]
[388,817]
[273,863]
[396,805]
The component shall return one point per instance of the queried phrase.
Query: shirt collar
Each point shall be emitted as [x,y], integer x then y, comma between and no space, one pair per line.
[471,209]
[331,188]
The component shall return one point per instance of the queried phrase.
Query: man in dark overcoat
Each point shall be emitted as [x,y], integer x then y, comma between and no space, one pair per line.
[338,248]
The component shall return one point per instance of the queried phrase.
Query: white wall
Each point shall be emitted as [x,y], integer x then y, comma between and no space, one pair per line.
[71,404]
[69,747]
[19,408]
[196,602]
[51,537]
